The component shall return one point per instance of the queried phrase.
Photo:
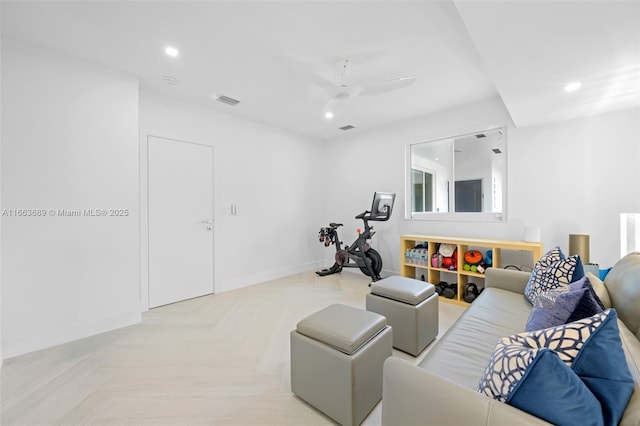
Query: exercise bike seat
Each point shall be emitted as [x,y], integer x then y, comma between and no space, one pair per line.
[335,225]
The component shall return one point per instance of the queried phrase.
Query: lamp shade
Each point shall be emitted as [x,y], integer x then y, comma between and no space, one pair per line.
[579,244]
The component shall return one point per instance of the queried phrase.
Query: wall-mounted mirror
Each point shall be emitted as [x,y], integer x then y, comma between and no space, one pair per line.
[462,177]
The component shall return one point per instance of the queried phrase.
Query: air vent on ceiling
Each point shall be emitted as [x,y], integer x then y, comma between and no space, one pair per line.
[227,100]
[171,81]
[496,151]
[347,127]
[481,135]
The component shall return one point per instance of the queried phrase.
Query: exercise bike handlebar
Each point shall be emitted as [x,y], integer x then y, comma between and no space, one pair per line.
[366,215]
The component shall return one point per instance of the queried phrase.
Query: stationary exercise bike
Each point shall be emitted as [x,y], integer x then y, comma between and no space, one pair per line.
[359,254]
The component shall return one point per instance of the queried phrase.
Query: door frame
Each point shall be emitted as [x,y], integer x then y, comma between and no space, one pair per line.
[144,212]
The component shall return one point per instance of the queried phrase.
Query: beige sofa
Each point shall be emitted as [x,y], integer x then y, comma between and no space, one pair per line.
[441,389]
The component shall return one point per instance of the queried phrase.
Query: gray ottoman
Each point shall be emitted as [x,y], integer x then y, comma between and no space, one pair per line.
[411,308]
[336,361]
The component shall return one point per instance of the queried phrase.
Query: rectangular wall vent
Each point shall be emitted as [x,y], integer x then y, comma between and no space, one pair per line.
[496,151]
[227,100]
[347,127]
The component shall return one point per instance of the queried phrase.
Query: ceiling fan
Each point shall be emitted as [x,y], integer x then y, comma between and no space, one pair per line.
[342,89]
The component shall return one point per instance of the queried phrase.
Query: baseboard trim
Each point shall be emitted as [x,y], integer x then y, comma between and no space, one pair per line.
[49,338]
[226,285]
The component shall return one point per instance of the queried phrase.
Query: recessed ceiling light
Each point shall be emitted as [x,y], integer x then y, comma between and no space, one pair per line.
[171,51]
[573,86]
[328,115]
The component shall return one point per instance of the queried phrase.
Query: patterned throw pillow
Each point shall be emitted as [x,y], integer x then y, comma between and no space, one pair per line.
[575,373]
[551,271]
[564,304]
[537,381]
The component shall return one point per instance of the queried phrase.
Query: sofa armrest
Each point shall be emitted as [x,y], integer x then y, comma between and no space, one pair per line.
[414,396]
[506,279]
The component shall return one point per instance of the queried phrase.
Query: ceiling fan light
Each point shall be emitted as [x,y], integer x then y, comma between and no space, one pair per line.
[573,86]
[171,51]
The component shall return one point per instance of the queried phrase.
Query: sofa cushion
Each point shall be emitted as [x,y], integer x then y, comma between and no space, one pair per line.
[564,304]
[470,341]
[600,289]
[551,271]
[591,347]
[623,284]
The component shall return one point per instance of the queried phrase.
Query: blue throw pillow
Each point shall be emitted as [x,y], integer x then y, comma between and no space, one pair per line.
[589,304]
[539,383]
[602,366]
[564,304]
[590,347]
[552,271]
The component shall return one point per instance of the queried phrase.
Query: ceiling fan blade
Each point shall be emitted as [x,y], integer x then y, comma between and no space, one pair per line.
[316,93]
[308,75]
[388,86]
[330,106]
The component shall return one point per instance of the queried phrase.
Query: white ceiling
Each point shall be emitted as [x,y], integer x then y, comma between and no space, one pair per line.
[531,49]
[258,51]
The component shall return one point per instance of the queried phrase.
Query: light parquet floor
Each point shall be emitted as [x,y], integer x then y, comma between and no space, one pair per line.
[221,359]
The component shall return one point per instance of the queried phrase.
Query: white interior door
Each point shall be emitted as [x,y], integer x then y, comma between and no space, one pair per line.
[180,189]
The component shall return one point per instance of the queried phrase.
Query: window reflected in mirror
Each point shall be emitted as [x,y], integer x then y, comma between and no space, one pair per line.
[458,176]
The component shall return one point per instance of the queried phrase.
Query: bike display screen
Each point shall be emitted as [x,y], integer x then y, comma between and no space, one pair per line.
[382,205]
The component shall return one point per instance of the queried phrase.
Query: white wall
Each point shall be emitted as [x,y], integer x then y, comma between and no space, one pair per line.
[274,177]
[569,177]
[577,177]
[1,356]
[69,141]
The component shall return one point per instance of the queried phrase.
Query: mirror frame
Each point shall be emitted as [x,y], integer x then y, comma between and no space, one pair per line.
[457,216]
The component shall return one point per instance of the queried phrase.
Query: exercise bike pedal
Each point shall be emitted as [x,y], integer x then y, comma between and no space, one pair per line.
[328,271]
